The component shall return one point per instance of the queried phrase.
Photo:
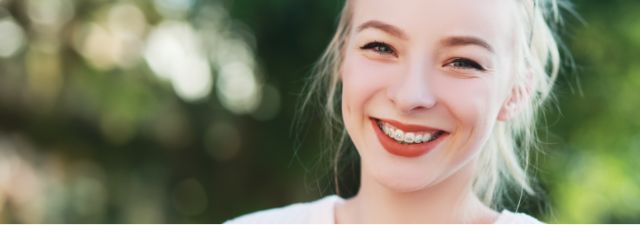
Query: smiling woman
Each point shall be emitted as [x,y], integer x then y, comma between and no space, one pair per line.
[439,100]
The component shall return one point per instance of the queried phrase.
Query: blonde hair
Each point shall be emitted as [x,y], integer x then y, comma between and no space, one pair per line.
[504,159]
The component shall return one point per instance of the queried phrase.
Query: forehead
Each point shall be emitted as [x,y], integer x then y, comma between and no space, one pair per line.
[425,20]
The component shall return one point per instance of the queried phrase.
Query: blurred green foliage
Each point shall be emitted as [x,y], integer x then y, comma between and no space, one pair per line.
[180,111]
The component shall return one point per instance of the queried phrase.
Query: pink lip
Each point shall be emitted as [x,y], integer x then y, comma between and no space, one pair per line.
[409,127]
[406,150]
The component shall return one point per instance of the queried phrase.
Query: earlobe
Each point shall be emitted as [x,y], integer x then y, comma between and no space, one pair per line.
[511,107]
[507,111]
[519,98]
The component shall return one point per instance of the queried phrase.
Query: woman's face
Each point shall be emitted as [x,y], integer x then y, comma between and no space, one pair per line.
[424,82]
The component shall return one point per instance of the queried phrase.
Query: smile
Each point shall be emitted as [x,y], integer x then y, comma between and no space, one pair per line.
[405,137]
[406,140]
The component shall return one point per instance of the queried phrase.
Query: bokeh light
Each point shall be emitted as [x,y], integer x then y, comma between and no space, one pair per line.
[115,41]
[238,88]
[50,15]
[12,39]
[173,8]
[174,52]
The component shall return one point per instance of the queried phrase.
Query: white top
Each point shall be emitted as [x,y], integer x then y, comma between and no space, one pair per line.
[322,212]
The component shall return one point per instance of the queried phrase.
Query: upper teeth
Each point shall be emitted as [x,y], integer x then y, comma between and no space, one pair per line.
[405,137]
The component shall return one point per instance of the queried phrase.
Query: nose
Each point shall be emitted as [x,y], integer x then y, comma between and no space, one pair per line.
[412,92]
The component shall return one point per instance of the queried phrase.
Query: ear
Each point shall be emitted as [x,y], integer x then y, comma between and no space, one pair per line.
[520,96]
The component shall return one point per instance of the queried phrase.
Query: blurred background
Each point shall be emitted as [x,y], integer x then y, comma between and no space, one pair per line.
[180,111]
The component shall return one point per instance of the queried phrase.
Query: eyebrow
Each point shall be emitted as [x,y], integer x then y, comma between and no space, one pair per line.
[448,42]
[385,27]
[466,40]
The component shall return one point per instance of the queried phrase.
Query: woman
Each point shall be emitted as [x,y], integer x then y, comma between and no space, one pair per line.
[439,99]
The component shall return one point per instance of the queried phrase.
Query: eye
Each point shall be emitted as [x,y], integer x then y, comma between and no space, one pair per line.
[380,48]
[462,63]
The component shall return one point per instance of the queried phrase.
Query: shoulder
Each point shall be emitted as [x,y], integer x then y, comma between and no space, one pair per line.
[318,211]
[508,217]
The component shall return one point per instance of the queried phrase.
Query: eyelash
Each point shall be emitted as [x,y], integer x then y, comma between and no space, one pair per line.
[386,49]
[380,48]
[466,64]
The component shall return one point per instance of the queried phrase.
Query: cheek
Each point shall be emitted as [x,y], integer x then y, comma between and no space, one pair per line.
[473,102]
[362,80]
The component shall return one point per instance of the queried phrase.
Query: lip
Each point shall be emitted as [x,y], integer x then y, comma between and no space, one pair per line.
[408,127]
[405,150]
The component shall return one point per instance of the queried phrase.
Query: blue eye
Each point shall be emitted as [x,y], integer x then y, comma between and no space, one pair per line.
[379,47]
[462,63]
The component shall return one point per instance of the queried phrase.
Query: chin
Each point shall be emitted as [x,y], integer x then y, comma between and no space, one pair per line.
[404,186]
[402,180]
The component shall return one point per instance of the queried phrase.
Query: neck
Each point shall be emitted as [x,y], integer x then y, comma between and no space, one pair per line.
[450,201]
